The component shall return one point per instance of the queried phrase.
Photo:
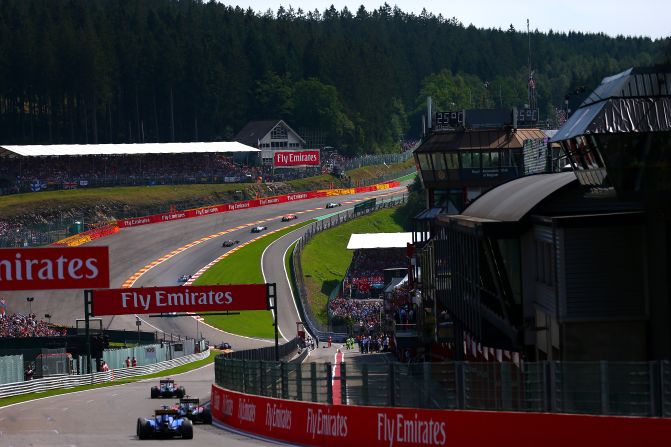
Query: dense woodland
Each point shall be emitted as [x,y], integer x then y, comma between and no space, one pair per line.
[100,71]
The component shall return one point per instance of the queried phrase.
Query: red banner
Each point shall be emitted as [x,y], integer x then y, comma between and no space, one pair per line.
[291,159]
[179,299]
[246,204]
[311,424]
[54,268]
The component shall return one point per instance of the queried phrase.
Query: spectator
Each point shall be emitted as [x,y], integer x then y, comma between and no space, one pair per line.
[134,362]
[20,326]
[127,362]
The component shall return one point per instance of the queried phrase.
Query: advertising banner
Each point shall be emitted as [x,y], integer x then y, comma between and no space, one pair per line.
[312,424]
[179,299]
[247,204]
[293,159]
[54,268]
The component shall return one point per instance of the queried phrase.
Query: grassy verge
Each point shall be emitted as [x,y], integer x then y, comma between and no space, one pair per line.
[325,258]
[162,196]
[375,171]
[168,372]
[244,267]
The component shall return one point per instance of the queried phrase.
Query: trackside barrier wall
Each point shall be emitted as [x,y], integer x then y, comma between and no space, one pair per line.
[88,236]
[197,212]
[268,353]
[70,381]
[315,424]
[11,368]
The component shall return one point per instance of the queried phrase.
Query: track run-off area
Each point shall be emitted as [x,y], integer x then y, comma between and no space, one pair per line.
[157,255]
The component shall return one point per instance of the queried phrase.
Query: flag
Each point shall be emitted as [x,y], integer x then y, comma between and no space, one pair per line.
[3,307]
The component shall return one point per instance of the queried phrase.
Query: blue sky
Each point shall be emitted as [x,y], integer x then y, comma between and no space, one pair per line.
[651,18]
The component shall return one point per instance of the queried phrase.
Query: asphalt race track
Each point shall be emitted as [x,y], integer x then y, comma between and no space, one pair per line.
[107,416]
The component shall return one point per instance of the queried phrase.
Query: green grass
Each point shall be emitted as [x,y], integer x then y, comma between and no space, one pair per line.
[244,267]
[325,258]
[162,196]
[168,372]
[375,171]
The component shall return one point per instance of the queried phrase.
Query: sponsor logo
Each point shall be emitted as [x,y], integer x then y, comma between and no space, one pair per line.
[173,216]
[297,196]
[206,211]
[161,298]
[54,268]
[269,201]
[298,158]
[246,411]
[323,423]
[228,406]
[415,430]
[277,417]
[138,221]
[237,205]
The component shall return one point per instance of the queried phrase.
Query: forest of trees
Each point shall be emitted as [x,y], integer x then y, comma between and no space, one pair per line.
[101,71]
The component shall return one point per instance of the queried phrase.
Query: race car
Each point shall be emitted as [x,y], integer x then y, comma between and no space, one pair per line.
[289,217]
[225,348]
[166,423]
[259,229]
[190,408]
[167,388]
[229,243]
[333,204]
[184,278]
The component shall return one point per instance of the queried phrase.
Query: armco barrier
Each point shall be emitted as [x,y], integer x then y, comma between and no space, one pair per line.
[88,236]
[254,203]
[70,381]
[313,424]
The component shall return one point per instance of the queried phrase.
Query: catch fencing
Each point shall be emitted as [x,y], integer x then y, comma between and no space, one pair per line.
[317,328]
[11,368]
[604,388]
[70,381]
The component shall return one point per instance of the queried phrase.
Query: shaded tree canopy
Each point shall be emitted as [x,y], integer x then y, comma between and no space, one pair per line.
[99,71]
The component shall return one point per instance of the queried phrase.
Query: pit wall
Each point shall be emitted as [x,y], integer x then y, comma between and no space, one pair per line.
[312,424]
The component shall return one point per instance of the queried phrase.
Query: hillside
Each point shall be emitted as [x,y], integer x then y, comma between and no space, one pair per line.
[96,71]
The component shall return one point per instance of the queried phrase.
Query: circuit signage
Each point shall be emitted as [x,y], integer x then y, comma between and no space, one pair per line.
[291,159]
[54,268]
[179,299]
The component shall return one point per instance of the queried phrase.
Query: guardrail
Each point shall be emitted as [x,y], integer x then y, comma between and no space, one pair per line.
[71,381]
[316,328]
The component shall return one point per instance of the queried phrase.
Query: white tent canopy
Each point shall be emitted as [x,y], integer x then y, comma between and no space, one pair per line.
[379,240]
[58,150]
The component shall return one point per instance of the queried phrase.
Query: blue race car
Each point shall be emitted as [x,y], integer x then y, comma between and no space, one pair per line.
[190,408]
[167,388]
[166,423]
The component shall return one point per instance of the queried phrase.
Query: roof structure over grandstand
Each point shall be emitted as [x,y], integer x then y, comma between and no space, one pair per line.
[58,150]
[379,240]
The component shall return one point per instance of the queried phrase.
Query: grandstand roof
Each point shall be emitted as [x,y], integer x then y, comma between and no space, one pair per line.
[57,150]
[379,240]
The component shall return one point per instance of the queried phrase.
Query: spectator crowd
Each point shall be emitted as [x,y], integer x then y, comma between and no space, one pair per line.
[365,313]
[365,277]
[18,326]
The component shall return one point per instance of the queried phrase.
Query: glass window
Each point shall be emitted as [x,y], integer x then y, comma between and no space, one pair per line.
[452,160]
[466,160]
[438,161]
[475,160]
[495,158]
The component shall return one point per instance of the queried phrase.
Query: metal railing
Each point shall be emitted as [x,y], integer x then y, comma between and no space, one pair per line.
[70,381]
[267,353]
[315,327]
[607,388]
[11,368]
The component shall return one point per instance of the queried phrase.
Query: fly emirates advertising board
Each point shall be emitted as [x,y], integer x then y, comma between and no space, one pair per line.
[179,299]
[54,268]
